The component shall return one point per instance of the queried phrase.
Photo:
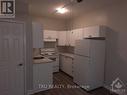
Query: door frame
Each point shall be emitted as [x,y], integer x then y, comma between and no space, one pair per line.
[24,45]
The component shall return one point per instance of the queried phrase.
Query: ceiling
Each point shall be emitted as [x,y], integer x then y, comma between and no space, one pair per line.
[46,8]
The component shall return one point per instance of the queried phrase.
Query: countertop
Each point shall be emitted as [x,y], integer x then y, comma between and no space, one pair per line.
[42,61]
[68,54]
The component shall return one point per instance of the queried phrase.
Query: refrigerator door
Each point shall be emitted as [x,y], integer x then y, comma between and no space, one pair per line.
[83,47]
[81,70]
[89,71]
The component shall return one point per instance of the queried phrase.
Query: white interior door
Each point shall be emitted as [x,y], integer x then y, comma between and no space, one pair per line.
[11,58]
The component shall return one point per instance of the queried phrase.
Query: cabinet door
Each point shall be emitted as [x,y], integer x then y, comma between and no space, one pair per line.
[42,75]
[72,38]
[50,35]
[94,31]
[76,34]
[62,38]
[91,31]
[37,35]
[62,61]
[68,66]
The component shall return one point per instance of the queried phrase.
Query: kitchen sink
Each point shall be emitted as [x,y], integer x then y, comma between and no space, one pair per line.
[38,57]
[54,59]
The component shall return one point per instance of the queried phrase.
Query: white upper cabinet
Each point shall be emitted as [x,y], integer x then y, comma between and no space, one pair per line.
[37,35]
[78,34]
[74,35]
[68,38]
[50,35]
[62,38]
[94,31]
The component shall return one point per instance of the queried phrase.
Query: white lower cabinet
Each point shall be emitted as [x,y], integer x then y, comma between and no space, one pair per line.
[56,65]
[42,76]
[66,64]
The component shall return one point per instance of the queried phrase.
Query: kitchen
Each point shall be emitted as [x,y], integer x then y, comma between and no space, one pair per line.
[66,61]
[77,53]
[63,47]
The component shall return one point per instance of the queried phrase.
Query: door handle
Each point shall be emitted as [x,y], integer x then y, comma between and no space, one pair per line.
[20,64]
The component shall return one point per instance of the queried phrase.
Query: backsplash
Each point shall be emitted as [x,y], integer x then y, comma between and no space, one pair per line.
[63,49]
[66,49]
[50,44]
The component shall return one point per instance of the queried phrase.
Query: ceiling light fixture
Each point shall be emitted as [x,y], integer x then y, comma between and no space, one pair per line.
[61,10]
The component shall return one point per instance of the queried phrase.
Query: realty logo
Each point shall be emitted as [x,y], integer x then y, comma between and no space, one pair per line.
[118,86]
[7,8]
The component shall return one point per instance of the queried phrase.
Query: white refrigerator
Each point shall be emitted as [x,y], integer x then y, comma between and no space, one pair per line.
[89,63]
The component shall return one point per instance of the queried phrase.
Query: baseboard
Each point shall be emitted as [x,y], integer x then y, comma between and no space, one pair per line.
[31,92]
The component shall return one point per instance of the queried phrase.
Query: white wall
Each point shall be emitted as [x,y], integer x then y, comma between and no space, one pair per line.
[115,17]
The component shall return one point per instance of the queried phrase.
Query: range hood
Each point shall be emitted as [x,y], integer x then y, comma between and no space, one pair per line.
[50,40]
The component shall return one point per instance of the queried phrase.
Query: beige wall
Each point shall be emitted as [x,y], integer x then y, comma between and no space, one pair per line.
[51,23]
[115,17]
